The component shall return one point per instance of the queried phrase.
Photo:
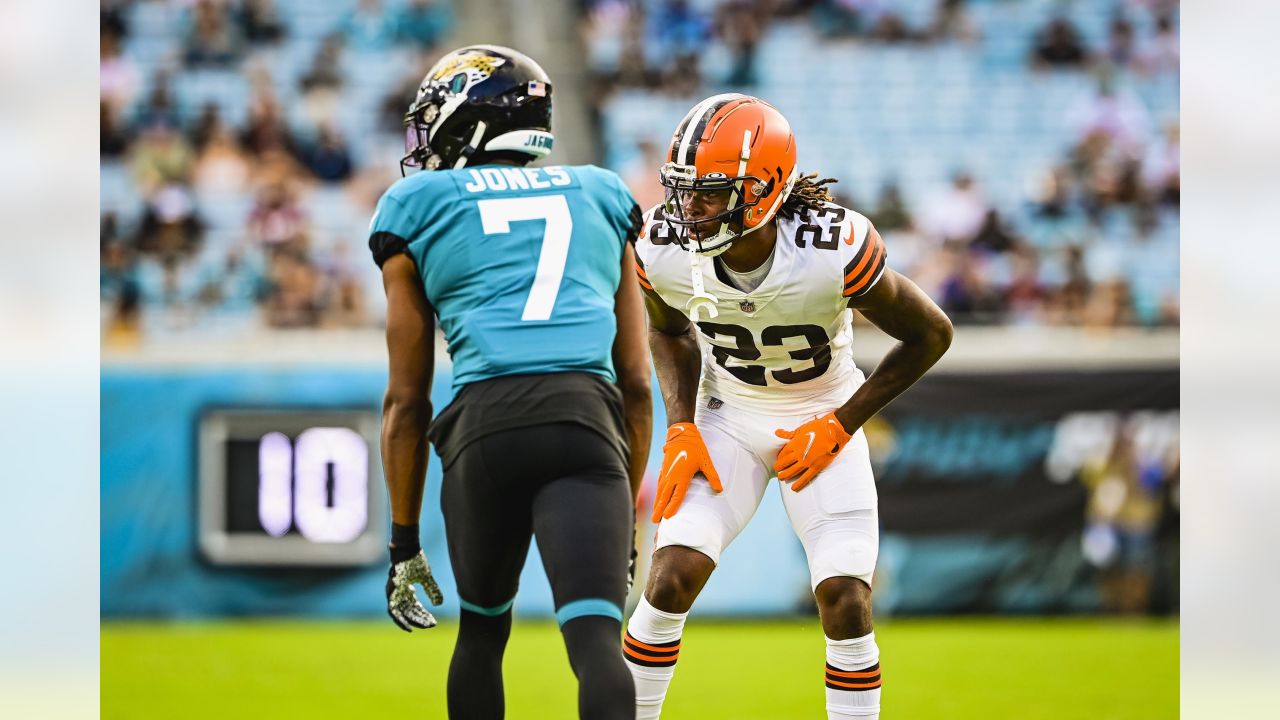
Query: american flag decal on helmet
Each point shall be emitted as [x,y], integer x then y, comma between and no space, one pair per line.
[537,89]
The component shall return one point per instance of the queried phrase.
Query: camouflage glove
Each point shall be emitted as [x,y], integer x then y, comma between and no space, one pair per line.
[410,566]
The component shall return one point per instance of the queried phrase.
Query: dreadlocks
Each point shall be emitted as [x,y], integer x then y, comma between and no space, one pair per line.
[807,194]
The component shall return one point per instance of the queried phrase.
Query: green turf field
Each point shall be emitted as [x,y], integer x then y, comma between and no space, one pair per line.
[951,668]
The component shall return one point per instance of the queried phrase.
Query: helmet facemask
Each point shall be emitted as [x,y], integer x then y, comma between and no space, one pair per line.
[422,123]
[685,190]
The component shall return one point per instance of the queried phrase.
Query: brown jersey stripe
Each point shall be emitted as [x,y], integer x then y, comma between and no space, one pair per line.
[871,280]
[865,255]
[864,281]
[858,257]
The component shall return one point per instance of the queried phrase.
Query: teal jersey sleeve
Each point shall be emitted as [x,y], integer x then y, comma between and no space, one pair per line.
[394,224]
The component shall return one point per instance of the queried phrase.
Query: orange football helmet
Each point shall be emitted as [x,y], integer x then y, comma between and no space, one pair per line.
[734,144]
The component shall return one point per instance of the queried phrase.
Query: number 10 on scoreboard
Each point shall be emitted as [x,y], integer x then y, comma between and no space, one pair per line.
[318,483]
[290,487]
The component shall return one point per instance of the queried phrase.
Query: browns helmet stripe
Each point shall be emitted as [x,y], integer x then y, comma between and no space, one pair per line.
[684,124]
[688,142]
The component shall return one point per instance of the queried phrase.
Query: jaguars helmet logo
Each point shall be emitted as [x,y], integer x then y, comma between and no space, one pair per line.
[462,72]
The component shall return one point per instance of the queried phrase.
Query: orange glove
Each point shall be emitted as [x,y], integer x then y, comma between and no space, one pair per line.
[683,456]
[810,449]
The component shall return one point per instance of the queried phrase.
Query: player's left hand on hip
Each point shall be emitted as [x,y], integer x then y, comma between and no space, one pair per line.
[810,449]
[402,600]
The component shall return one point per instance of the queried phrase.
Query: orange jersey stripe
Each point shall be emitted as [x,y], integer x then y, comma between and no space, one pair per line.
[868,686]
[650,658]
[654,648]
[879,251]
[640,269]
[644,283]
[873,251]
[860,674]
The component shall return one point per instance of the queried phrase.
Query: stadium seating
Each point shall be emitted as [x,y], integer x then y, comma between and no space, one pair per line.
[863,111]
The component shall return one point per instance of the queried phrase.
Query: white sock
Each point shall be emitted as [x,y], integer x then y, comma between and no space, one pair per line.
[853,679]
[651,647]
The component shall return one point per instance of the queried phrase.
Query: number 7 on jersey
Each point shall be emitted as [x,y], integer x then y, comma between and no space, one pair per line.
[496,217]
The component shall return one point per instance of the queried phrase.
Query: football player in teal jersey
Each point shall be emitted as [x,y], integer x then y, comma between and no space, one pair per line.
[528,272]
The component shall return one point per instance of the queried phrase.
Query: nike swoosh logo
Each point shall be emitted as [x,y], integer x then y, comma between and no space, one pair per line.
[675,461]
[812,436]
[837,428]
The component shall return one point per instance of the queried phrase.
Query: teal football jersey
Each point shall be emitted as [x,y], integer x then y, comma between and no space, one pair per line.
[520,264]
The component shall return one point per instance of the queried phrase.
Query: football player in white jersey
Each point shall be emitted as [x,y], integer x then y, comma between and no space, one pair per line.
[750,274]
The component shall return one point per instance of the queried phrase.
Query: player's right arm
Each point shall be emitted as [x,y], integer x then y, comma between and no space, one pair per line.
[406,407]
[678,364]
[676,357]
[406,415]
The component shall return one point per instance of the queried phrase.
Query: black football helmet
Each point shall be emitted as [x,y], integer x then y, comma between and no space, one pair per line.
[477,102]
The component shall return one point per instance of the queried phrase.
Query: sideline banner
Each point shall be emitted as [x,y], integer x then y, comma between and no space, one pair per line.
[1027,491]
[1010,492]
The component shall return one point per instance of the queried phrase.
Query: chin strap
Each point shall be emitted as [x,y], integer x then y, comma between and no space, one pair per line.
[701,298]
[471,146]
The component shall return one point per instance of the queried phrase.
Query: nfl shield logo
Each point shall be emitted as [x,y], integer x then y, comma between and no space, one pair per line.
[714,403]
[747,306]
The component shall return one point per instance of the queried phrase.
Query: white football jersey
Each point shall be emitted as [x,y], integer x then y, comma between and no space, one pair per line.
[786,345]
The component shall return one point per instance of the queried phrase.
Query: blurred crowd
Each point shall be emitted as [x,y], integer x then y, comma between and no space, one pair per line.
[244,143]
[660,44]
[216,225]
[1091,242]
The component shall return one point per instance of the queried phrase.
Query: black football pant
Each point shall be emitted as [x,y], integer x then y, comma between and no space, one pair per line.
[565,485]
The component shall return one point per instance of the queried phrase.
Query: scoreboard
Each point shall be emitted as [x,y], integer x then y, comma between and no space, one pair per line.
[290,487]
